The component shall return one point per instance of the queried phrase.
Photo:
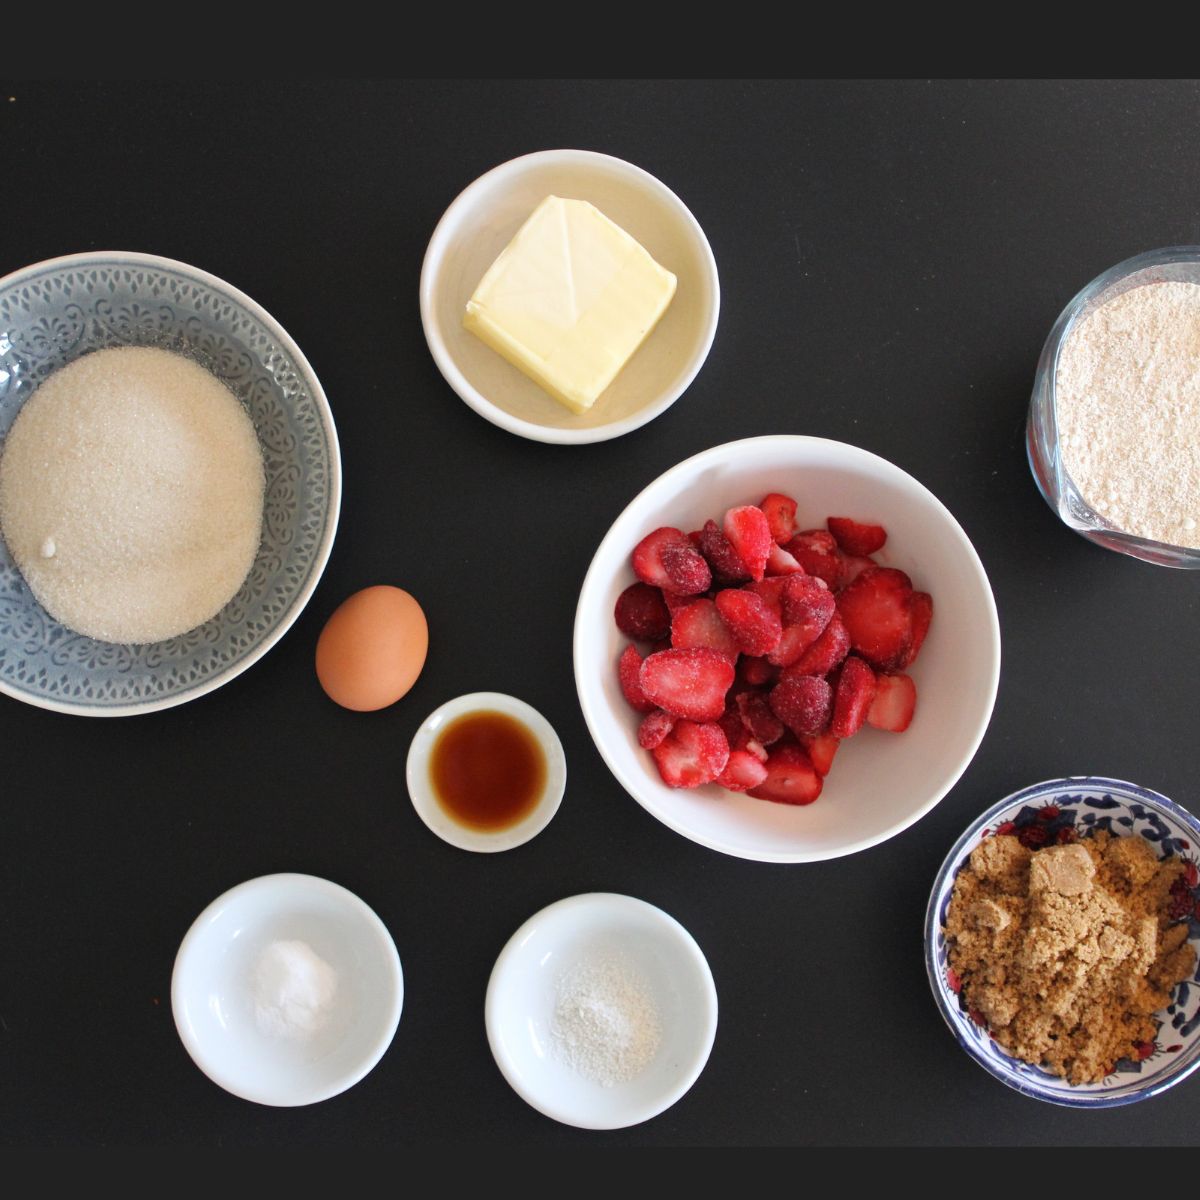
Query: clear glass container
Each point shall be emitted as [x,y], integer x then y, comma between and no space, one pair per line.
[1180,264]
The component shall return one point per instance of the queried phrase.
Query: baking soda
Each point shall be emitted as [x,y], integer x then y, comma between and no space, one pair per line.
[294,990]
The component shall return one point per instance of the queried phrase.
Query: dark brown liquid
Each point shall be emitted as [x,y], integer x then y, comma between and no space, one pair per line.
[488,771]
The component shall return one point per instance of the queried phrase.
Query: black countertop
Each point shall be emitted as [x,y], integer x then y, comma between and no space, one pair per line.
[891,256]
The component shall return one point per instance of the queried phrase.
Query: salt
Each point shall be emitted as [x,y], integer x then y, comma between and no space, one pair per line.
[606,1024]
[294,990]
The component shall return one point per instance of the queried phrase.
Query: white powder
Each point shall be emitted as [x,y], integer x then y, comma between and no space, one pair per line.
[1128,411]
[294,990]
[606,1024]
[131,494]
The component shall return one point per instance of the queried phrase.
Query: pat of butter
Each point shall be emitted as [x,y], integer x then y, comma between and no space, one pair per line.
[569,300]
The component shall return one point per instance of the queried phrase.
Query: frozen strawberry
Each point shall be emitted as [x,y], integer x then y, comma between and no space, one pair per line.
[780,512]
[877,612]
[791,777]
[746,527]
[853,566]
[852,697]
[780,562]
[721,556]
[629,672]
[699,624]
[802,702]
[691,754]
[807,601]
[642,613]
[855,538]
[674,602]
[654,728]
[730,721]
[922,613]
[686,568]
[667,559]
[821,750]
[793,642]
[756,671]
[816,550]
[895,699]
[753,622]
[771,590]
[755,711]
[742,772]
[825,653]
[689,683]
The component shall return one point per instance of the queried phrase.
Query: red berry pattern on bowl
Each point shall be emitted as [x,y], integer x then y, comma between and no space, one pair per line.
[782,643]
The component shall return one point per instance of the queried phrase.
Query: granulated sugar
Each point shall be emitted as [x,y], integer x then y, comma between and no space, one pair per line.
[1128,411]
[606,1024]
[131,494]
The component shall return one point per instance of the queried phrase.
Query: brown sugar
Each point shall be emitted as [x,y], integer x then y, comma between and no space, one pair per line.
[1068,951]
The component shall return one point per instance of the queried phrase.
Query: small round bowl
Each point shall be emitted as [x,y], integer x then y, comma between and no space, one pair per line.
[1084,803]
[523,993]
[880,782]
[1180,264]
[53,312]
[482,221]
[213,995]
[424,797]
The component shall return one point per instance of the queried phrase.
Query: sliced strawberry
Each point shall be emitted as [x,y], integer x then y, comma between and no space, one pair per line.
[755,711]
[821,750]
[771,590]
[855,538]
[699,624]
[654,728]
[721,556]
[780,562]
[667,559]
[791,778]
[793,642]
[922,614]
[756,671]
[730,721]
[852,697]
[780,511]
[691,754]
[674,602]
[742,772]
[746,527]
[753,622]
[816,550]
[853,566]
[895,699]
[642,613]
[689,683]
[825,653]
[803,703]
[807,603]
[876,609]
[629,672]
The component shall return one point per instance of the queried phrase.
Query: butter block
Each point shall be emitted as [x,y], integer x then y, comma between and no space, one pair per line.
[569,300]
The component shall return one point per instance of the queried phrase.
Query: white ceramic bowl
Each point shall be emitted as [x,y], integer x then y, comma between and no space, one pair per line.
[424,797]
[213,994]
[535,971]
[880,782]
[482,221]
[1045,814]
[53,312]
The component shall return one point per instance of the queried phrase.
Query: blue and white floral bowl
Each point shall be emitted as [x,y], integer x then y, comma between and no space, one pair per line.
[1064,810]
[55,311]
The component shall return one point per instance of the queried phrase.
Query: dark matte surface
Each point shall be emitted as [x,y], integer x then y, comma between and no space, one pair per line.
[891,256]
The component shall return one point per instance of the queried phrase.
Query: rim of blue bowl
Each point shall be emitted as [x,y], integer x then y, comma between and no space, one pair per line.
[1180,1070]
[325,547]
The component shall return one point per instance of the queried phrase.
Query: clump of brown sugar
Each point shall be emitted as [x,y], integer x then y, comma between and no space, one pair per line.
[1068,951]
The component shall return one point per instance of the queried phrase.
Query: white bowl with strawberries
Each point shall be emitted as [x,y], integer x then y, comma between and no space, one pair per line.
[786,649]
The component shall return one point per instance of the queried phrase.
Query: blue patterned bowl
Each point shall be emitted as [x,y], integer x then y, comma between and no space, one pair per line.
[55,311]
[1061,810]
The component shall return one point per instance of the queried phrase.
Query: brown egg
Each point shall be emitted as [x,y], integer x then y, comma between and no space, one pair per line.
[372,648]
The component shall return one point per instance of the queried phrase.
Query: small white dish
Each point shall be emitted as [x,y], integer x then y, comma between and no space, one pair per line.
[525,987]
[213,991]
[482,221]
[424,797]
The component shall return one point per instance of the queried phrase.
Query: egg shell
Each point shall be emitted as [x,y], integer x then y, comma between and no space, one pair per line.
[372,648]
